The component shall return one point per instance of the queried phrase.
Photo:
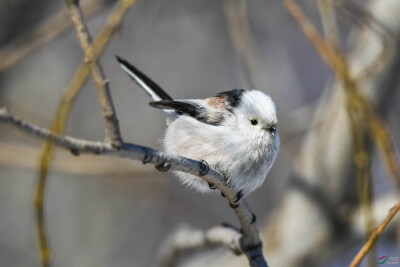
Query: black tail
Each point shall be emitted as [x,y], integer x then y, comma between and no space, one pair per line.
[155,91]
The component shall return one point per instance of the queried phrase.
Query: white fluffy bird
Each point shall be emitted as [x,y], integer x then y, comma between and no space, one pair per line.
[234,132]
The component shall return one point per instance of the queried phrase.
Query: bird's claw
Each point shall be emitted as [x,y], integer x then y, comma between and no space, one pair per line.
[147,158]
[204,168]
[239,196]
[211,186]
[163,166]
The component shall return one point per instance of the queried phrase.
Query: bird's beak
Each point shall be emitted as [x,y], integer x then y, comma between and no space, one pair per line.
[270,128]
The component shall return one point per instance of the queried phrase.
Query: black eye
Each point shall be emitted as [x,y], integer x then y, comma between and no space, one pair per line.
[272,129]
[254,121]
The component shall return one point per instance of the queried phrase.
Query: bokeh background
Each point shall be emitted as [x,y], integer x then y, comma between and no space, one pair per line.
[114,212]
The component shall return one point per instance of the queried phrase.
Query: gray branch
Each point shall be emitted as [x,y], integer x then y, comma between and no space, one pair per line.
[113,132]
[186,239]
[250,243]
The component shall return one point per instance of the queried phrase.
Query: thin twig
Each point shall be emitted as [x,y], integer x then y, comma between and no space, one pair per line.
[329,23]
[186,239]
[59,120]
[358,110]
[374,237]
[243,41]
[368,21]
[375,127]
[43,34]
[113,134]
[250,245]
[363,172]
[361,158]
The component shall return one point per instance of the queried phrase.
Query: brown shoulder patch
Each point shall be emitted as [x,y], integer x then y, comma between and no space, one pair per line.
[217,102]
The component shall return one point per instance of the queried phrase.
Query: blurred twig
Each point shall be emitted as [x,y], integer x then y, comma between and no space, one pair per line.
[44,33]
[375,127]
[186,239]
[374,237]
[363,172]
[243,41]
[359,113]
[382,204]
[361,158]
[328,16]
[60,117]
[367,21]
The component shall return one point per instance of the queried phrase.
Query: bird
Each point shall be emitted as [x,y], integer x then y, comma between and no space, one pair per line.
[234,132]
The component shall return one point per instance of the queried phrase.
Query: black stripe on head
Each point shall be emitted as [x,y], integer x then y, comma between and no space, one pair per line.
[191,109]
[232,98]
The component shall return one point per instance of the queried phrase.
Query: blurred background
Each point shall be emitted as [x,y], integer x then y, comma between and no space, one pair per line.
[103,211]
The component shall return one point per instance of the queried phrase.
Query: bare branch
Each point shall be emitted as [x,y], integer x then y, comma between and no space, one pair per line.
[114,146]
[328,17]
[58,123]
[186,239]
[355,101]
[243,41]
[251,244]
[366,20]
[113,134]
[75,145]
[374,237]
[20,156]
[43,34]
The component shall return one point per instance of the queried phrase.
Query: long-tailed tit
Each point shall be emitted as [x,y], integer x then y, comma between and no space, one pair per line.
[234,132]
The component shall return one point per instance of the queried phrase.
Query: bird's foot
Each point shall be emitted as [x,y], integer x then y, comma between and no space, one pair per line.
[163,166]
[239,196]
[211,186]
[204,168]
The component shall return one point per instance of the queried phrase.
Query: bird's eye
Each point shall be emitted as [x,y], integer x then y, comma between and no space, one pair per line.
[272,129]
[254,121]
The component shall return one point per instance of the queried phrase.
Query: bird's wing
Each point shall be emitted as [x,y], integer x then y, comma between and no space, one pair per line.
[211,110]
[198,109]
[150,87]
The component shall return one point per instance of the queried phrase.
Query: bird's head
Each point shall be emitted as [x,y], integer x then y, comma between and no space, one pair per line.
[254,116]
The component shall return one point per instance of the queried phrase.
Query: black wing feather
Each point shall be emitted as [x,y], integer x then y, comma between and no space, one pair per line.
[150,83]
[191,109]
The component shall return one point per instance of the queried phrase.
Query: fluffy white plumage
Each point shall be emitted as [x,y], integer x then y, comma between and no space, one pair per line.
[243,152]
[234,132]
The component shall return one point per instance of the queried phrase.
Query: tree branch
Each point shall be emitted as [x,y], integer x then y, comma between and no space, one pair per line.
[58,122]
[113,133]
[374,237]
[356,102]
[186,239]
[251,244]
[50,29]
[19,156]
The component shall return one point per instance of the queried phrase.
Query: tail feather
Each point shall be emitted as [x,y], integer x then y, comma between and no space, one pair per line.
[151,88]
